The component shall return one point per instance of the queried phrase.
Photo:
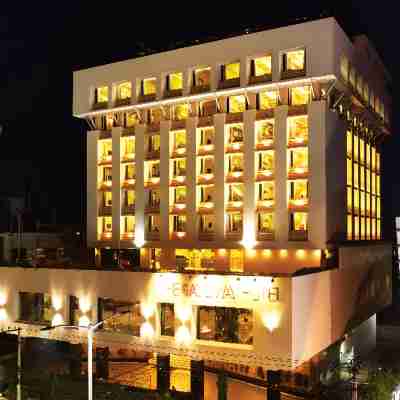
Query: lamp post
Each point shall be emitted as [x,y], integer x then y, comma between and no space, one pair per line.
[90,333]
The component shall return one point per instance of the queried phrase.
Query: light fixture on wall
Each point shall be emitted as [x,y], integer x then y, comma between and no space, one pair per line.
[271,320]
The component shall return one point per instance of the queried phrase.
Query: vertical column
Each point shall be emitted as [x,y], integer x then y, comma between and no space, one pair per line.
[281,209]
[317,228]
[249,231]
[165,127]
[163,373]
[91,187]
[219,177]
[244,71]
[116,187]
[191,223]
[139,185]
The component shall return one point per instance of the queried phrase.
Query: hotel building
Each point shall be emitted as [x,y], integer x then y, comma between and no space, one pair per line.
[238,184]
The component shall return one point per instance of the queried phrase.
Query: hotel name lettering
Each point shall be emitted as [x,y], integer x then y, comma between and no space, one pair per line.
[224,291]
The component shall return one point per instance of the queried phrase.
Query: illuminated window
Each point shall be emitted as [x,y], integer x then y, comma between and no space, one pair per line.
[368,229]
[107,199]
[267,100]
[149,86]
[235,162]
[101,95]
[378,162]
[297,160]
[367,203]
[35,308]
[202,76]
[378,185]
[349,145]
[373,183]
[167,319]
[107,174]
[265,222]
[349,172]
[227,325]
[368,155]
[344,68]
[124,90]
[230,71]
[362,178]
[175,81]
[298,221]
[234,222]
[236,260]
[106,225]
[378,207]
[153,143]
[179,194]
[235,192]
[355,171]
[206,193]
[356,228]
[362,202]
[130,119]
[129,171]
[355,148]
[362,228]
[129,198]
[299,95]
[207,108]
[154,115]
[373,205]
[265,131]
[105,150]
[153,169]
[362,151]
[266,191]
[349,227]
[128,224]
[235,133]
[206,165]
[356,198]
[265,161]
[378,229]
[181,111]
[178,223]
[261,66]
[153,223]
[349,199]
[179,138]
[297,129]
[294,61]
[178,167]
[207,223]
[206,136]
[154,198]
[298,192]
[236,104]
[373,228]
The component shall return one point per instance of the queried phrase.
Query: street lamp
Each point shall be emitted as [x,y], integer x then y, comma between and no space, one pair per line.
[90,333]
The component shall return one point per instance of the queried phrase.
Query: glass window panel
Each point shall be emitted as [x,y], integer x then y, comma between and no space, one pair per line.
[356,228]
[356,199]
[298,189]
[298,160]
[265,161]
[362,202]
[202,76]
[300,95]
[232,71]
[378,185]
[181,111]
[102,94]
[262,66]
[149,86]
[235,222]
[362,178]
[179,139]
[237,104]
[268,99]
[235,133]
[295,60]
[349,172]
[175,81]
[206,136]
[235,192]
[349,227]
[362,151]
[266,191]
[167,319]
[124,90]
[235,163]
[356,174]
[349,199]
[236,260]
[300,221]
[180,194]
[297,129]
[265,222]
[349,146]
[265,130]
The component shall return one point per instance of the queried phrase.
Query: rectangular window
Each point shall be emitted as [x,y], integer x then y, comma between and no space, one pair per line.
[181,112]
[129,198]
[107,199]
[207,108]
[235,133]
[265,222]
[349,144]
[206,136]
[130,119]
[154,115]
[298,192]
[236,260]
[154,197]
[356,228]
[179,138]
[297,160]
[175,81]
[206,165]
[178,223]
[234,222]
[297,129]
[368,155]
[149,86]
[267,100]
[105,150]
[378,207]
[153,143]
[356,198]
[349,199]
[207,223]
[231,71]
[355,174]
[265,131]
[153,223]
[107,174]
[235,192]
[362,230]
[101,95]
[128,225]
[107,225]
[128,147]
[299,95]
[349,227]
[298,221]
[237,104]
[179,194]
[228,325]
[35,307]
[167,319]
[202,77]
[235,162]
[178,167]
[265,161]
[266,191]
[294,61]
[128,317]
[378,185]
[124,91]
[362,143]
[130,172]
[362,178]
[362,202]
[355,155]
[261,66]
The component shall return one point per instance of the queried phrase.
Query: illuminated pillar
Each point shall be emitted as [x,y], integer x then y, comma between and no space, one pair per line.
[165,127]
[249,231]
[191,222]
[219,180]
[116,187]
[91,188]
[139,185]
[281,208]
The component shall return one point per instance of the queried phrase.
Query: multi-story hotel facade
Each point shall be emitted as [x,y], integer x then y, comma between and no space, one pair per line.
[239,182]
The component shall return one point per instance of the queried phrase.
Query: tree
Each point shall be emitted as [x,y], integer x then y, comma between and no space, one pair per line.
[381,385]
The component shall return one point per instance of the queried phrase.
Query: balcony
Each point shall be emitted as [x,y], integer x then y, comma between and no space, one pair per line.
[105,185]
[105,236]
[206,236]
[128,157]
[123,102]
[128,183]
[291,74]
[265,236]
[172,93]
[200,89]
[265,204]
[177,208]
[104,159]
[234,176]
[297,172]
[128,236]
[178,235]
[152,181]
[204,179]
[153,154]
[234,147]
[105,210]
[233,235]
[234,205]
[152,207]
[179,178]
[205,207]
[298,235]
[263,175]
[205,149]
[128,209]
[152,236]
[178,151]
[143,98]
[260,79]
[298,203]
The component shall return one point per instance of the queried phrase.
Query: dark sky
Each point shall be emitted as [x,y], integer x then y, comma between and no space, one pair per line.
[41,44]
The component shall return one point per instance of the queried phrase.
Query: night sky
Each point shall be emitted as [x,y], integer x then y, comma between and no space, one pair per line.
[41,44]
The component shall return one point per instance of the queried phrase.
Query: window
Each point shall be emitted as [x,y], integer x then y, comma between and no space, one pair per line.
[349,199]
[167,319]
[105,150]
[179,193]
[207,223]
[355,174]
[235,192]
[207,108]
[223,324]
[297,129]
[107,225]
[155,257]
[130,172]
[265,222]
[179,223]
[266,191]
[175,81]
[235,162]
[149,86]
[107,199]
[153,169]
[153,223]
[236,104]
[349,172]
[130,119]
[107,174]
[178,167]
[362,149]
[298,221]
[202,77]
[265,131]
[181,111]
[349,144]
[356,228]
[349,227]
[124,91]
[298,192]
[206,193]
[129,198]
[154,197]
[299,95]
[265,161]
[101,95]
[267,100]
[153,143]
[154,115]
[235,133]
[294,61]
[234,222]
[230,71]
[297,160]
[128,146]
[206,136]
[261,66]
[128,225]
[128,317]
[206,165]
[35,307]
[356,198]
[179,138]
[236,260]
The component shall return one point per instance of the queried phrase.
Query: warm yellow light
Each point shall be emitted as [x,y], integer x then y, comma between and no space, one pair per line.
[181,151]
[237,174]
[283,253]
[139,236]
[57,320]
[183,336]
[180,179]
[147,310]
[180,206]
[3,314]
[251,253]
[208,177]
[146,331]
[222,252]
[300,254]
[267,253]
[3,298]
[208,147]
[56,302]
[317,253]
[84,321]
[184,312]
[236,146]
[180,235]
[84,304]
[271,320]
